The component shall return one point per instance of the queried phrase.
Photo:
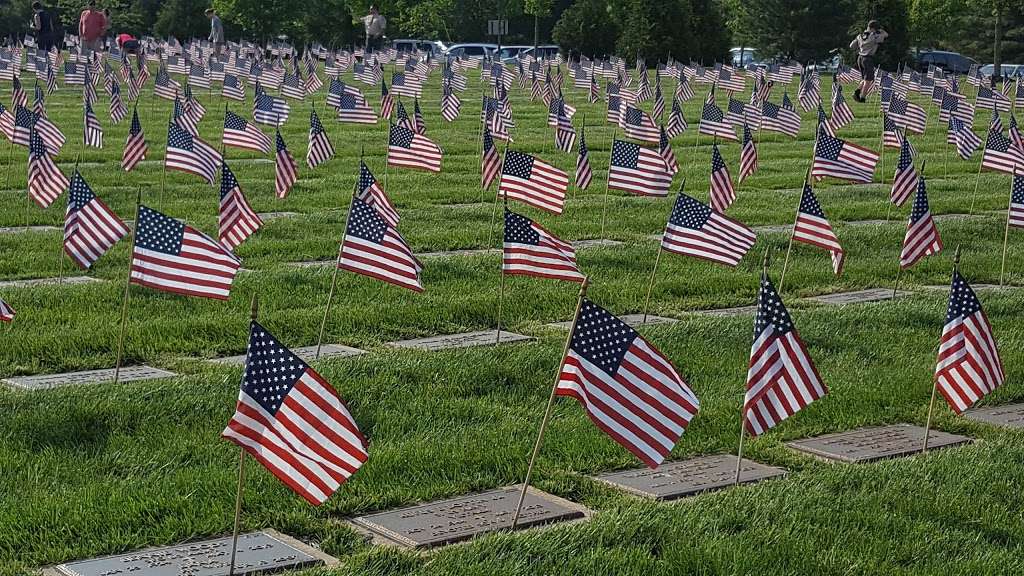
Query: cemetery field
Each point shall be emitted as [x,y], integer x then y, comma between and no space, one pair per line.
[98,469]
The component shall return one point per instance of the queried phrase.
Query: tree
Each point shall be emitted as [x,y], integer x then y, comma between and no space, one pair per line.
[795,28]
[656,29]
[587,27]
[711,35]
[538,9]
[183,19]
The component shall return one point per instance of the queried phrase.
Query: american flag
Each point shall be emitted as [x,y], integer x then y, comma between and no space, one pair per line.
[403,119]
[193,107]
[638,125]
[188,153]
[967,142]
[824,125]
[233,88]
[183,120]
[6,312]
[615,105]
[676,121]
[418,125]
[922,237]
[535,90]
[293,87]
[684,92]
[237,220]
[269,110]
[849,75]
[530,250]
[74,74]
[665,149]
[989,99]
[241,134]
[90,227]
[18,95]
[904,183]
[450,103]
[337,88]
[135,147]
[638,170]
[387,102]
[812,228]
[841,112]
[722,192]
[25,121]
[658,108]
[694,229]
[736,111]
[45,180]
[490,162]
[406,85]
[748,155]
[595,92]
[731,81]
[713,121]
[1002,155]
[320,148]
[958,108]
[908,115]
[584,174]
[368,190]
[92,132]
[531,181]
[1016,212]
[777,118]
[411,150]
[1014,132]
[558,106]
[285,169]
[1019,93]
[841,159]
[891,135]
[23,126]
[453,79]
[164,87]
[313,82]
[627,387]
[291,421]
[968,365]
[173,257]
[565,133]
[117,107]
[197,76]
[374,248]
[782,379]
[7,123]
[809,93]
[352,108]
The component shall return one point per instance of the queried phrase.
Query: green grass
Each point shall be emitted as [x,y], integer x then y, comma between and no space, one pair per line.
[101,470]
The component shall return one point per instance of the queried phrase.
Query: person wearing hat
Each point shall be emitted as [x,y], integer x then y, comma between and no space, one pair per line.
[866,44]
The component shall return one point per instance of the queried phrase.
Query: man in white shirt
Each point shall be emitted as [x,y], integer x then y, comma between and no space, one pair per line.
[375,25]
[216,30]
[866,44]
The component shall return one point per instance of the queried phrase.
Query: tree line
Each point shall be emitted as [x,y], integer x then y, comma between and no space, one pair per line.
[698,30]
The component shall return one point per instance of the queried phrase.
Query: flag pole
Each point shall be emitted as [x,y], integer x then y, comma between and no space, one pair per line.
[501,288]
[1006,231]
[899,272]
[935,383]
[494,207]
[792,233]
[743,416]
[607,182]
[551,403]
[977,183]
[657,260]
[163,173]
[127,285]
[253,311]
[334,275]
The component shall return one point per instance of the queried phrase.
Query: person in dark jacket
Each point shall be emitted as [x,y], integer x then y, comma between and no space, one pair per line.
[42,25]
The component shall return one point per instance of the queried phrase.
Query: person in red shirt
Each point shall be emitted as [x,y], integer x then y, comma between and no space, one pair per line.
[91,25]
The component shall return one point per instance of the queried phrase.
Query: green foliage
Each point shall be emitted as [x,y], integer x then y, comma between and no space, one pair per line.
[587,27]
[894,17]
[655,29]
[795,28]
[183,19]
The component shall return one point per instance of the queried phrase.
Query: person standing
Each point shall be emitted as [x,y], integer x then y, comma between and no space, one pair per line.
[375,24]
[216,30]
[866,43]
[91,25]
[42,25]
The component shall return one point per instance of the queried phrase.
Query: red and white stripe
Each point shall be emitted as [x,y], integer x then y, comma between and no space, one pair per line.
[551,258]
[91,231]
[781,380]
[45,180]
[391,261]
[203,268]
[811,229]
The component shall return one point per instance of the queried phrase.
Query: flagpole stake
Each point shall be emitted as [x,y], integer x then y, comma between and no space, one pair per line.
[977,183]
[792,235]
[238,505]
[500,194]
[127,285]
[657,260]
[1006,232]
[334,275]
[551,403]
[10,161]
[743,418]
[607,184]
[935,387]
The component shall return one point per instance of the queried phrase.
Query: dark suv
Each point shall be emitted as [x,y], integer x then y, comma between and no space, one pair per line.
[948,61]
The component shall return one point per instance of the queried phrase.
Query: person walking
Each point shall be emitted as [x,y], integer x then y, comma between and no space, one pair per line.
[866,44]
[216,30]
[42,25]
[375,24]
[91,25]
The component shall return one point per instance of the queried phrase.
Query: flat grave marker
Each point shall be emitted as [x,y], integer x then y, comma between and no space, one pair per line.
[632,320]
[875,443]
[459,253]
[1010,415]
[595,243]
[28,283]
[48,381]
[725,312]
[263,552]
[265,216]
[306,353]
[462,340]
[773,229]
[25,229]
[464,517]
[858,296]
[683,478]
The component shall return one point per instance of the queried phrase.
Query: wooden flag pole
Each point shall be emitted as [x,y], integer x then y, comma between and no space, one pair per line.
[127,285]
[551,403]
[494,207]
[977,183]
[334,275]
[387,157]
[10,164]
[253,312]
[501,289]
[163,173]
[657,260]
[935,383]
[607,181]
[743,416]
[899,272]
[1006,231]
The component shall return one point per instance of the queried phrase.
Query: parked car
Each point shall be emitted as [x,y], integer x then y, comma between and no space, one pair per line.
[473,50]
[544,51]
[1008,70]
[508,54]
[410,45]
[741,56]
[947,61]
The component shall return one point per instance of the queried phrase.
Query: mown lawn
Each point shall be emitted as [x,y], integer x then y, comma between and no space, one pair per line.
[100,470]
